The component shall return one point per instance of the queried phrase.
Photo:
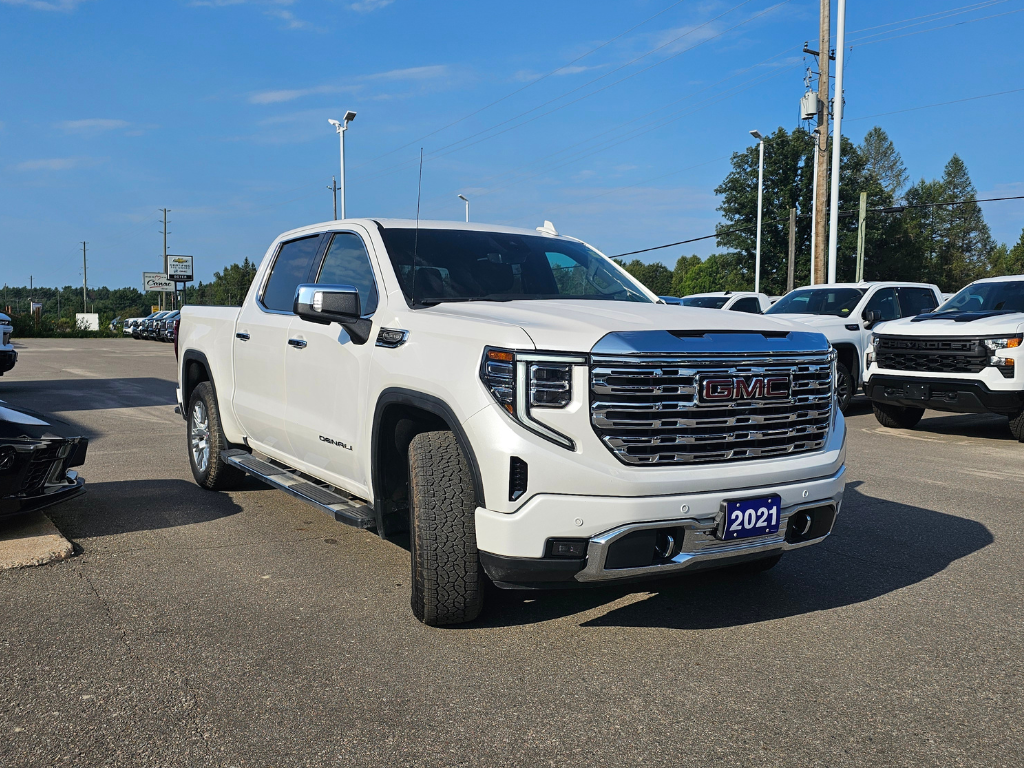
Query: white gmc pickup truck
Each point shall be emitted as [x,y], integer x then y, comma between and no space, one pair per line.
[516,404]
[965,357]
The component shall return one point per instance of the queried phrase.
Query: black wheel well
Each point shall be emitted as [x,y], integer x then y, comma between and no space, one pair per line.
[194,374]
[399,416]
[847,355]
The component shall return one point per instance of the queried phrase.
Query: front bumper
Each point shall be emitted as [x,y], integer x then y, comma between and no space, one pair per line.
[8,359]
[512,547]
[943,394]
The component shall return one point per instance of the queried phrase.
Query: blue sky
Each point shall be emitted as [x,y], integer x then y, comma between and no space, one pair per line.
[217,109]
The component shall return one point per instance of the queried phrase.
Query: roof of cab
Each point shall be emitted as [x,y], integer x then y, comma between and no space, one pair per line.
[423,224]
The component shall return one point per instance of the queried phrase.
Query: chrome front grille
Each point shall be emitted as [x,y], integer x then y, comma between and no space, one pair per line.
[646,410]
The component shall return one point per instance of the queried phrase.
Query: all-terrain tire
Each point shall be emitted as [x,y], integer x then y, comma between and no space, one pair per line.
[896,416]
[205,441]
[447,580]
[1017,426]
[845,387]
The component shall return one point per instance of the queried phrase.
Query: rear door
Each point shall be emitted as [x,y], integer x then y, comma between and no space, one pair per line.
[327,374]
[260,347]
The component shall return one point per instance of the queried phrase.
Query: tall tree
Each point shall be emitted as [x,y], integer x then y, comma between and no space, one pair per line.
[883,162]
[683,265]
[1007,261]
[655,276]
[966,241]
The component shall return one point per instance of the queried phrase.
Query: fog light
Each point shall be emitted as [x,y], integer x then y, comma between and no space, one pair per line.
[567,547]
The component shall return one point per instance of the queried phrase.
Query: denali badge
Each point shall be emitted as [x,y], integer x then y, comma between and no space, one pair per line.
[718,389]
[338,443]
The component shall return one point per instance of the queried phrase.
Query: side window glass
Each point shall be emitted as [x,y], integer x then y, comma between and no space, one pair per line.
[915,301]
[749,304]
[290,270]
[347,263]
[884,301]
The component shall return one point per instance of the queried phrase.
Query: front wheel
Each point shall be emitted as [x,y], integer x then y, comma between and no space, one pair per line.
[896,416]
[844,387]
[206,441]
[447,580]
[1017,426]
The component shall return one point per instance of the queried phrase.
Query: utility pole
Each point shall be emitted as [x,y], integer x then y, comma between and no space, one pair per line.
[85,280]
[821,146]
[861,235]
[837,143]
[334,192]
[165,233]
[791,273]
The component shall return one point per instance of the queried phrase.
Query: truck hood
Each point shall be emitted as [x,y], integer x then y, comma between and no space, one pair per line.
[993,325]
[577,325]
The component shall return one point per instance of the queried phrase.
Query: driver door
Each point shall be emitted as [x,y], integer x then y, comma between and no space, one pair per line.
[327,373]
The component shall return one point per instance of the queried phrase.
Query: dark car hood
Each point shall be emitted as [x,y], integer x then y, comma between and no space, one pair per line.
[21,423]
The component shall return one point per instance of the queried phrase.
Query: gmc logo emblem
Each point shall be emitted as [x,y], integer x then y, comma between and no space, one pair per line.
[726,388]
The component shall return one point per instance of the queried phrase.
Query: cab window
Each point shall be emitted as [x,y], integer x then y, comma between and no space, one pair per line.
[884,301]
[347,263]
[916,301]
[749,304]
[291,267]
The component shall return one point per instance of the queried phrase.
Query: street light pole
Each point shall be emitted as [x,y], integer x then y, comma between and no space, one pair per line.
[837,141]
[341,127]
[466,200]
[760,192]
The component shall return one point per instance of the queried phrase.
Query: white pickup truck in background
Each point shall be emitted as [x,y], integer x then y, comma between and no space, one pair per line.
[846,313]
[8,354]
[965,357]
[517,405]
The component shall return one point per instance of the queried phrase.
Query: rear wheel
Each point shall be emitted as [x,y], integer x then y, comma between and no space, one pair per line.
[1017,426]
[206,441]
[896,416]
[447,580]
[844,387]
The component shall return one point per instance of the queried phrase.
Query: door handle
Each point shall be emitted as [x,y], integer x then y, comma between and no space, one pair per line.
[242,336]
[297,343]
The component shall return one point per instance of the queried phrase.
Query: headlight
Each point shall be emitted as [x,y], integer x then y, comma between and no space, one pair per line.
[1007,343]
[523,381]
[872,350]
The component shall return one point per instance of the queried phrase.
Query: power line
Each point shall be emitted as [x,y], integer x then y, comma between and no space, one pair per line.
[452,147]
[936,29]
[851,212]
[945,14]
[528,85]
[939,104]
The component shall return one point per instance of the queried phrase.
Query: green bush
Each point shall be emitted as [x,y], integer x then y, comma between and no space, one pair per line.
[47,327]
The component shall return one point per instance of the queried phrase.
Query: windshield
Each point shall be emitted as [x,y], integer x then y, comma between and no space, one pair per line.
[1002,296]
[463,265]
[817,301]
[708,302]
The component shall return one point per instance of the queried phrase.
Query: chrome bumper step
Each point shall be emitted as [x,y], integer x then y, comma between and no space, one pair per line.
[343,508]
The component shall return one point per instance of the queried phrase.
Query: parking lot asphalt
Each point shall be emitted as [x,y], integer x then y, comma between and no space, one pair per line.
[247,629]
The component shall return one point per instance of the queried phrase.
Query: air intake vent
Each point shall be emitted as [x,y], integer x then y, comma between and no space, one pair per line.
[518,476]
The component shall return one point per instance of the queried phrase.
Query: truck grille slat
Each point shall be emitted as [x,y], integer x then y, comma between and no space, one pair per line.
[931,355]
[647,412]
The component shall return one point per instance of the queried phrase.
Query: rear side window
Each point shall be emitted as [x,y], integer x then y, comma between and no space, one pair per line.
[347,263]
[916,301]
[749,304]
[291,267]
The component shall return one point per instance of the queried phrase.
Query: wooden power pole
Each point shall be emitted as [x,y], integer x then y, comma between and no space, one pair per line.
[821,148]
[861,233]
[791,272]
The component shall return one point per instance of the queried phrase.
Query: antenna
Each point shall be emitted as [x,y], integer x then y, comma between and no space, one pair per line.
[416,235]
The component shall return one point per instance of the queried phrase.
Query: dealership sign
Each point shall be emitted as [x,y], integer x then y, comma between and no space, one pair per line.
[179,268]
[156,281]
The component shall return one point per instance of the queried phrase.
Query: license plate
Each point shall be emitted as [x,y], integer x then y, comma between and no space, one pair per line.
[751,517]
[915,391]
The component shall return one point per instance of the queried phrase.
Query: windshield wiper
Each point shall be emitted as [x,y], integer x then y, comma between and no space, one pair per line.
[434,301]
[963,316]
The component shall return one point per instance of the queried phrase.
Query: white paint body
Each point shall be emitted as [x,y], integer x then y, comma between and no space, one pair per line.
[280,399]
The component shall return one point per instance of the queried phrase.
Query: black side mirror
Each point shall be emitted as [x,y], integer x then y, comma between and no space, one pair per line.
[326,304]
[871,316]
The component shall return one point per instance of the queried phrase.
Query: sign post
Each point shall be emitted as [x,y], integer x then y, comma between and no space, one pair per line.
[179,269]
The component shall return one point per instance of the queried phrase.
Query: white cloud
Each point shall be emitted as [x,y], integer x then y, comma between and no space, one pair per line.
[47,5]
[410,74]
[368,6]
[291,21]
[92,125]
[59,163]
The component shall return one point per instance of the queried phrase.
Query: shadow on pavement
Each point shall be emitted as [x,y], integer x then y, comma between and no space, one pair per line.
[989,426]
[142,505]
[877,547]
[89,394]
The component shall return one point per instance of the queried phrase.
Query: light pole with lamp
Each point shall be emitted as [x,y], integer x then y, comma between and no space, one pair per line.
[760,191]
[466,201]
[341,128]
